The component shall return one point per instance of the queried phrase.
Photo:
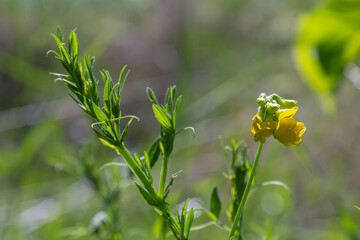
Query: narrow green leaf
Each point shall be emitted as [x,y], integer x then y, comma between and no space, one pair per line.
[137,158]
[107,95]
[62,49]
[167,96]
[146,195]
[172,94]
[163,118]
[58,32]
[147,162]
[177,105]
[56,54]
[357,208]
[122,81]
[215,203]
[89,63]
[167,188]
[124,132]
[183,217]
[154,152]
[79,103]
[74,44]
[187,128]
[274,183]
[95,110]
[202,226]
[178,216]
[189,221]
[110,164]
[151,96]
[108,144]
[65,81]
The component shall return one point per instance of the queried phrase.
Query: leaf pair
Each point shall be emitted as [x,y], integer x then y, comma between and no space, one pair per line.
[166,113]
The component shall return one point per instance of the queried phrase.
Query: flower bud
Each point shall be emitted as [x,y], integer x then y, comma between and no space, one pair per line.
[285,103]
[272,107]
[261,100]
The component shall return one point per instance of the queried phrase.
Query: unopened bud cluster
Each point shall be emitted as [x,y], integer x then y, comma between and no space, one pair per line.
[270,106]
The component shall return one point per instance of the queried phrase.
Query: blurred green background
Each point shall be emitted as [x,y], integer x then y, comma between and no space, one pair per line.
[221,54]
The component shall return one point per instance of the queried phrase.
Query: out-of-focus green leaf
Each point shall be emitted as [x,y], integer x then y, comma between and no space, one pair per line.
[274,183]
[118,164]
[328,40]
[215,203]
[11,64]
[189,221]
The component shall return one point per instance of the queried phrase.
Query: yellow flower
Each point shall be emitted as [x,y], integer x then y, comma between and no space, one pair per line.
[289,130]
[286,130]
[262,130]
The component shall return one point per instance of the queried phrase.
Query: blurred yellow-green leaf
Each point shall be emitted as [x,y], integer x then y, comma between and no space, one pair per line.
[328,40]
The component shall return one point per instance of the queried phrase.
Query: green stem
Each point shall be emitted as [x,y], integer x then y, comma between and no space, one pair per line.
[163,176]
[138,172]
[161,205]
[246,192]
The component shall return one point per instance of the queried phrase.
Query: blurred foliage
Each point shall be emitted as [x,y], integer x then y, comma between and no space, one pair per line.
[328,41]
[220,54]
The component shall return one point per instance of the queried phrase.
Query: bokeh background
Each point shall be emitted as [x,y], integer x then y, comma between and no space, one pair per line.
[221,54]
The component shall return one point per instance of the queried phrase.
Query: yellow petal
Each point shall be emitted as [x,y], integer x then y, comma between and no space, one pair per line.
[262,130]
[289,132]
[288,113]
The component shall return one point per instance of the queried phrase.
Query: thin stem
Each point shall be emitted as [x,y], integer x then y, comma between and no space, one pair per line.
[246,192]
[163,176]
[161,205]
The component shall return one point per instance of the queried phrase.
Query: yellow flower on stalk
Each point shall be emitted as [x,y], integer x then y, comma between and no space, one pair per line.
[289,130]
[276,117]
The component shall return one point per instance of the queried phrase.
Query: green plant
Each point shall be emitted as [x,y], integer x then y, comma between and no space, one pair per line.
[107,118]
